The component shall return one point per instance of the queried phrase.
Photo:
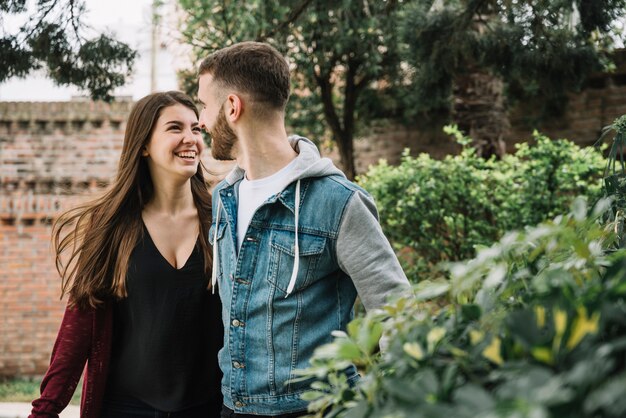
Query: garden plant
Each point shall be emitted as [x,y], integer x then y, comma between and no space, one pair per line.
[532,326]
[436,211]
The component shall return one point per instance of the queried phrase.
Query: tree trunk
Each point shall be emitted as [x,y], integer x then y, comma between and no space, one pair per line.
[479,109]
[343,133]
[345,145]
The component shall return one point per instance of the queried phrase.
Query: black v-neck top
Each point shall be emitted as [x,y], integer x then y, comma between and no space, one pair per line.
[166,333]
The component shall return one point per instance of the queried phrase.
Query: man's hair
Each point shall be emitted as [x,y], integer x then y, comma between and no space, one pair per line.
[252,68]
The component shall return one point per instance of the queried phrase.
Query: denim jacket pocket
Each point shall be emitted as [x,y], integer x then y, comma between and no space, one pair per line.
[311,248]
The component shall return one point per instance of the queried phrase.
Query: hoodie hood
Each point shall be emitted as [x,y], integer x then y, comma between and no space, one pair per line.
[309,163]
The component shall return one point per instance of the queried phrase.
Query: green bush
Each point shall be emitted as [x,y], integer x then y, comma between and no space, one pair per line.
[536,327]
[442,210]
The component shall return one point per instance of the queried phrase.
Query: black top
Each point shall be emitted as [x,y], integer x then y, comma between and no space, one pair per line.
[166,333]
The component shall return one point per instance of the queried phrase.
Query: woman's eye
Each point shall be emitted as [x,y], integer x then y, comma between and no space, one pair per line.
[197,130]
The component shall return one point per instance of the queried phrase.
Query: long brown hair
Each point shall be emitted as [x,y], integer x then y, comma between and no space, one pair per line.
[106,230]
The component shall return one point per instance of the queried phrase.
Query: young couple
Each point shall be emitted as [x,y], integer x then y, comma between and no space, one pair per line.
[286,241]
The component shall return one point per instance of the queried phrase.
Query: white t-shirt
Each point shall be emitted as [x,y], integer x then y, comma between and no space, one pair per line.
[253,193]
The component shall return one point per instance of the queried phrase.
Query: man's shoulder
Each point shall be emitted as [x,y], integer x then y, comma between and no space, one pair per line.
[338,184]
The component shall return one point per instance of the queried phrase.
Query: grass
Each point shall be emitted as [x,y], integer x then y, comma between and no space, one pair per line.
[27,389]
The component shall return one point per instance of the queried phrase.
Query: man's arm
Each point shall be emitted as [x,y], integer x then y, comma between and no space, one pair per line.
[364,253]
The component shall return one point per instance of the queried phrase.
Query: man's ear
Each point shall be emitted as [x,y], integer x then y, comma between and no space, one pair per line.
[235,107]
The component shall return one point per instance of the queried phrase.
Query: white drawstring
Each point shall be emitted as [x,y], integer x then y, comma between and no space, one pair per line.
[296,260]
[216,263]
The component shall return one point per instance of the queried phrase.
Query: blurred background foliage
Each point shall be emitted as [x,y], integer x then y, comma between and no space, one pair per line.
[531,326]
[437,211]
[54,39]
[356,62]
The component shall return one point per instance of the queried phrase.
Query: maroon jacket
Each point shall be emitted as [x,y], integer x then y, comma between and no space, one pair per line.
[84,337]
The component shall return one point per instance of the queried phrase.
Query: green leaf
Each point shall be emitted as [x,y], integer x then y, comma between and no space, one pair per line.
[348,350]
[474,398]
[609,397]
[427,290]
[470,312]
[369,336]
[579,209]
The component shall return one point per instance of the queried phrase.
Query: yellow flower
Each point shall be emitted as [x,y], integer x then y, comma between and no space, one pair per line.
[540,313]
[583,326]
[543,354]
[492,352]
[434,336]
[457,352]
[414,350]
[560,322]
[476,336]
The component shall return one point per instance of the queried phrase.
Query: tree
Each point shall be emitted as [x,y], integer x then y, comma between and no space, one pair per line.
[474,57]
[355,61]
[52,38]
[341,52]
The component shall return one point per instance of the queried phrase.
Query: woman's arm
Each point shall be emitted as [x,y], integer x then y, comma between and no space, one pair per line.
[69,355]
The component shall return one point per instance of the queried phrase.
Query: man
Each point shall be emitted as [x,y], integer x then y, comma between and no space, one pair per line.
[293,239]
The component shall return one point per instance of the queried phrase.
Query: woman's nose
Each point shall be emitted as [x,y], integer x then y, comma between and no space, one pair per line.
[189,136]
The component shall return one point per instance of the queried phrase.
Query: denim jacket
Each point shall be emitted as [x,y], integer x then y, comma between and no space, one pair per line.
[306,254]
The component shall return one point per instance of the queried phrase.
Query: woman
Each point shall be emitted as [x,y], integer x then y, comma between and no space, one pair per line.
[141,313]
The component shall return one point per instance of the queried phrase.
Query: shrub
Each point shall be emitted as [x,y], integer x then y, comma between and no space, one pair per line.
[442,210]
[536,328]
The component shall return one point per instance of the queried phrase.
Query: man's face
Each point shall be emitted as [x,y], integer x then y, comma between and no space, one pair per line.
[213,119]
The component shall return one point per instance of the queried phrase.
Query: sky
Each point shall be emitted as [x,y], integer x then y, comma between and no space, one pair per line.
[129,21]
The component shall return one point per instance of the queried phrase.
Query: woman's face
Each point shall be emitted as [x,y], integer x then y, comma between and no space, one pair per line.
[174,149]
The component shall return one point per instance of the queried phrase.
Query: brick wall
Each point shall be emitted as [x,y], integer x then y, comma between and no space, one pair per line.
[52,156]
[30,307]
[597,105]
[55,155]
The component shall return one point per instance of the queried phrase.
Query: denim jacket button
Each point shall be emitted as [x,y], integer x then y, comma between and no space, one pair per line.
[237,365]
[239,404]
[236,323]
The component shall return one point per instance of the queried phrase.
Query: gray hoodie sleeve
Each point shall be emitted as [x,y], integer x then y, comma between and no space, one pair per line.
[364,253]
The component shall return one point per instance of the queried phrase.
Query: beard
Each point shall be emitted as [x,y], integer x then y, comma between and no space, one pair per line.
[223,138]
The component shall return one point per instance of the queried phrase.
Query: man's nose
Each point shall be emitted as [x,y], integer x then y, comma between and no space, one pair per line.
[201,123]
